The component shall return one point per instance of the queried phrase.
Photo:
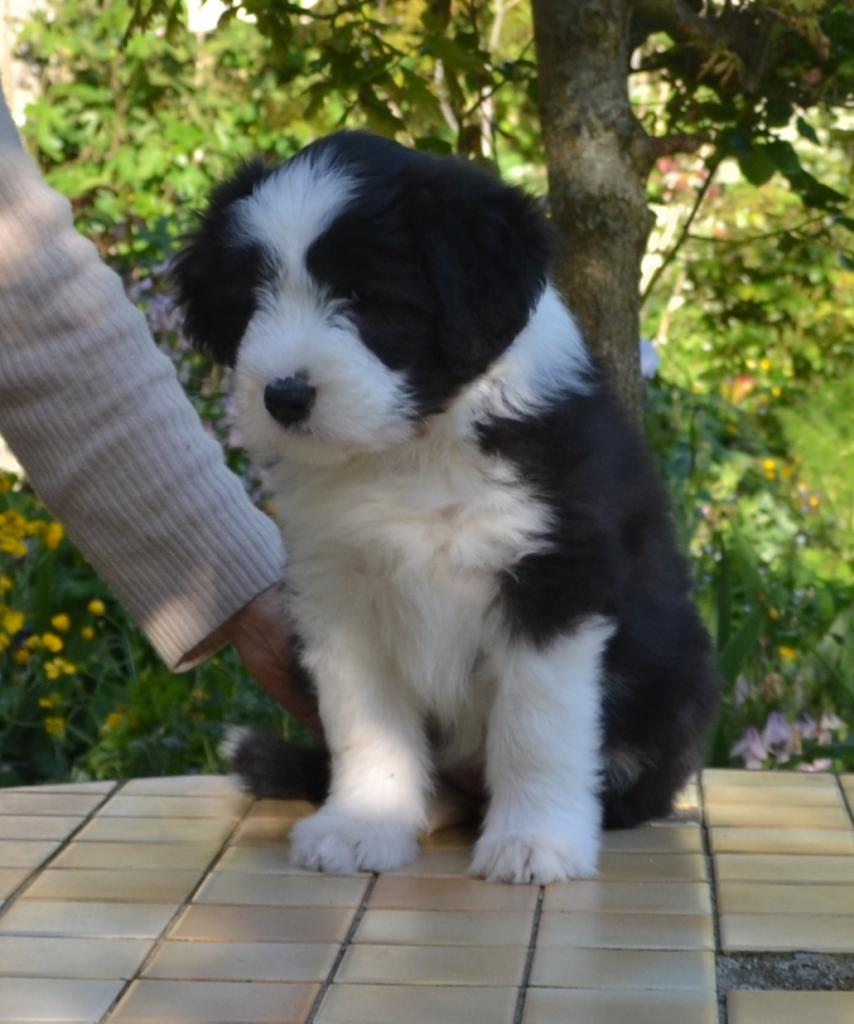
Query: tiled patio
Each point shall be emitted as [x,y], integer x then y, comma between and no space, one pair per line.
[165,900]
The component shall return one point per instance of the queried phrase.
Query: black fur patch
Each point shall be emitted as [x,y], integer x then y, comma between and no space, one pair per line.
[219,272]
[613,553]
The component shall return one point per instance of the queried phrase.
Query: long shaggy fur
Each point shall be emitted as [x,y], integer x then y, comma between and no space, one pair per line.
[481,568]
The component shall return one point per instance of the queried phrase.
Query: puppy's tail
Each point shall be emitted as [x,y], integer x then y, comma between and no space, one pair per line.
[270,766]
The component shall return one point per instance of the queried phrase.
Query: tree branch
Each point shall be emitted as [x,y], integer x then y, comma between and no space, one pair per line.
[649,148]
[686,227]
[679,21]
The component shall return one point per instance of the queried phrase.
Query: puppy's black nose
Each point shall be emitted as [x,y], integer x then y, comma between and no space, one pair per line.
[289,400]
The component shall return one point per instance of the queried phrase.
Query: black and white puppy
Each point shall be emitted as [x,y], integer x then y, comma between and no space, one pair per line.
[480,564]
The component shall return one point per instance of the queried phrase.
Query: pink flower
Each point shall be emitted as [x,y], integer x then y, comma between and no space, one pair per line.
[751,748]
[777,737]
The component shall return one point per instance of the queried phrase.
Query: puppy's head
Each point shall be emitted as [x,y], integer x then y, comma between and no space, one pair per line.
[356,289]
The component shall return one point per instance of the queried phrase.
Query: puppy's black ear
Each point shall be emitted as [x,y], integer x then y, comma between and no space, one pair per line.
[217,274]
[487,249]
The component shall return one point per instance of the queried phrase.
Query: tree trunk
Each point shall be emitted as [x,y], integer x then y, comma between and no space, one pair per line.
[594,146]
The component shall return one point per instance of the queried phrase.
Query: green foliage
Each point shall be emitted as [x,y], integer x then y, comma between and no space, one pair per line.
[81,693]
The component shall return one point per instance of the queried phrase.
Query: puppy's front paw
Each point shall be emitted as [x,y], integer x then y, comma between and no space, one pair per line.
[520,857]
[335,841]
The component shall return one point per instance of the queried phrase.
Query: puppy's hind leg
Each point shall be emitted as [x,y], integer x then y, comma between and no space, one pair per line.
[542,760]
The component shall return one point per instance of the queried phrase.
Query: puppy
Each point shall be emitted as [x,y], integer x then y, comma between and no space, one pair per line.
[480,564]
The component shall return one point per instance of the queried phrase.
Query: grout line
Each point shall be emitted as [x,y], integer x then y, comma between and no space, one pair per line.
[345,945]
[712,883]
[69,839]
[847,802]
[184,904]
[529,959]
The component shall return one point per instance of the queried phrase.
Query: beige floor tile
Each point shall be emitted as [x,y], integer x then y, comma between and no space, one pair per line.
[463,837]
[401,1004]
[284,810]
[243,961]
[445,928]
[780,898]
[214,1002]
[733,777]
[263,832]
[452,862]
[648,897]
[776,932]
[781,840]
[39,803]
[23,853]
[183,785]
[51,957]
[155,830]
[129,806]
[55,999]
[282,890]
[403,893]
[160,886]
[432,965]
[847,782]
[568,1006]
[792,796]
[784,868]
[656,867]
[627,931]
[263,924]
[623,969]
[267,860]
[10,879]
[791,1007]
[66,787]
[96,920]
[776,816]
[130,856]
[654,839]
[34,826]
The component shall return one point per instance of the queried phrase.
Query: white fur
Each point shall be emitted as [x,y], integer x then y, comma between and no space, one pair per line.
[542,760]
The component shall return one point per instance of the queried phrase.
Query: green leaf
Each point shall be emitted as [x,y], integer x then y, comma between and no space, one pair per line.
[756,165]
[742,645]
[807,130]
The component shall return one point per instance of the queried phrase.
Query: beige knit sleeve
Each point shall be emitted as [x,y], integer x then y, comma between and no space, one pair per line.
[96,416]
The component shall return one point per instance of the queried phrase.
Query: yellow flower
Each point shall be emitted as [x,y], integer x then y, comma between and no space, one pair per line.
[114,719]
[5,584]
[776,392]
[61,622]
[765,364]
[773,614]
[13,621]
[52,642]
[814,501]
[47,702]
[786,472]
[87,632]
[53,535]
[54,725]
[769,465]
[56,667]
[33,643]
[96,606]
[4,641]
[21,656]
[787,653]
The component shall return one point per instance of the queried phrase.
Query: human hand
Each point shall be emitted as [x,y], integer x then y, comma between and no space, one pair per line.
[261,634]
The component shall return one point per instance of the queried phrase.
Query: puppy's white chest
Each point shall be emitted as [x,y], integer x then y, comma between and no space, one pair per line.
[408,548]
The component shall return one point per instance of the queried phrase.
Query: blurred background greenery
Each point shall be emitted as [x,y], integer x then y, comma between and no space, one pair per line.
[747,310]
